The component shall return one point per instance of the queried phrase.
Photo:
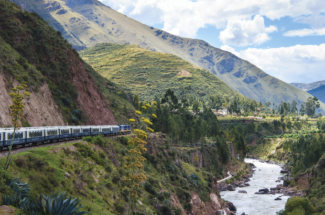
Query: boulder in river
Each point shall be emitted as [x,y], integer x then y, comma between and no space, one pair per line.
[263,191]
[284,171]
[278,181]
[230,187]
[242,191]
[231,206]
[277,199]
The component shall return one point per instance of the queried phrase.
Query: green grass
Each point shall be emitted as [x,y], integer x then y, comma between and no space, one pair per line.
[149,74]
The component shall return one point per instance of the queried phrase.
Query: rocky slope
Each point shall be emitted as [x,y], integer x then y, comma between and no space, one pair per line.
[89,22]
[62,87]
[310,86]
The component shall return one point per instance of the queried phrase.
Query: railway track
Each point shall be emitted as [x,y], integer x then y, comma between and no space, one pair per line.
[23,149]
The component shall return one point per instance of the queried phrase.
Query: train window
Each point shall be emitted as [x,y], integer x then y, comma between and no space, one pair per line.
[76,131]
[65,131]
[95,129]
[85,130]
[18,135]
[106,129]
[35,134]
[52,132]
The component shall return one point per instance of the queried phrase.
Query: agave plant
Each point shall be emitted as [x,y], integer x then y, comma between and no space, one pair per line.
[20,196]
[21,189]
[59,204]
[54,204]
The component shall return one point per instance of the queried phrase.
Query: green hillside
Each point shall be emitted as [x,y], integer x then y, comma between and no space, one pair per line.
[91,22]
[149,74]
[31,50]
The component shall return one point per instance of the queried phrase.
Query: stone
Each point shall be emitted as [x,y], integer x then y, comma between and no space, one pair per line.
[265,190]
[277,199]
[231,206]
[242,191]
[67,175]
[230,188]
[284,171]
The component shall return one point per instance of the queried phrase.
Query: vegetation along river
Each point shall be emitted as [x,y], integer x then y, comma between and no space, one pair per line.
[261,204]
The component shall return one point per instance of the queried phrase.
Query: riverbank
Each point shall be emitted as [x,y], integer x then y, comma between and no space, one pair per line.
[263,195]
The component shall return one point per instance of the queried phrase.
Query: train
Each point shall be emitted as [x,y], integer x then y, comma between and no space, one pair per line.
[27,136]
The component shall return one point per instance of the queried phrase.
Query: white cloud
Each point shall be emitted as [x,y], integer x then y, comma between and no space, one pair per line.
[246,32]
[230,49]
[300,63]
[305,32]
[185,17]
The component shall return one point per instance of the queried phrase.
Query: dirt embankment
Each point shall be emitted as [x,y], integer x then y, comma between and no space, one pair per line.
[90,99]
[40,107]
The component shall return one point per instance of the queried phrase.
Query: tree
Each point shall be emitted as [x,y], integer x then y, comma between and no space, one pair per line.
[136,103]
[17,113]
[294,108]
[311,105]
[196,108]
[170,99]
[302,110]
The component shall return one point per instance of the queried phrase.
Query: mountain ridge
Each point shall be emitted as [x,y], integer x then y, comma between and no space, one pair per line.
[94,23]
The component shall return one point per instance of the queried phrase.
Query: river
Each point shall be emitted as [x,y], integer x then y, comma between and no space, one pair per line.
[253,204]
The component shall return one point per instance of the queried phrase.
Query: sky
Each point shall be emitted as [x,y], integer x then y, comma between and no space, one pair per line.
[285,38]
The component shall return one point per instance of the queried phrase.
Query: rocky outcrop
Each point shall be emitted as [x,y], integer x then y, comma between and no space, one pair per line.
[40,107]
[90,99]
[211,207]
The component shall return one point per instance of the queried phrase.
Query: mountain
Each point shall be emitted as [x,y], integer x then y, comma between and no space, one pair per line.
[319,92]
[85,23]
[310,86]
[61,84]
[149,74]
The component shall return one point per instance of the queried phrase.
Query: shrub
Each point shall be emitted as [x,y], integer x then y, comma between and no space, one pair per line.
[115,179]
[88,139]
[123,140]
[21,162]
[99,140]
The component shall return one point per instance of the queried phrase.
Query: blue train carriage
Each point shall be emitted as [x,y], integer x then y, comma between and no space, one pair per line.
[95,130]
[106,130]
[52,134]
[7,135]
[115,130]
[65,132]
[1,140]
[34,135]
[76,131]
[85,131]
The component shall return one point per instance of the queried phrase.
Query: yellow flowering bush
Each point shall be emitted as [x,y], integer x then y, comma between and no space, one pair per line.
[17,112]
[134,159]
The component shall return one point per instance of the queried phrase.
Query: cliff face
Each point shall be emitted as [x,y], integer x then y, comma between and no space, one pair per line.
[62,89]
[40,107]
[90,99]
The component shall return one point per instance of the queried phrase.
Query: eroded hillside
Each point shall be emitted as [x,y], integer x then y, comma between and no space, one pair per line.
[63,90]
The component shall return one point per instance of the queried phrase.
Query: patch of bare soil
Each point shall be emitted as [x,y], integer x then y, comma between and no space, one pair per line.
[6,210]
[184,73]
